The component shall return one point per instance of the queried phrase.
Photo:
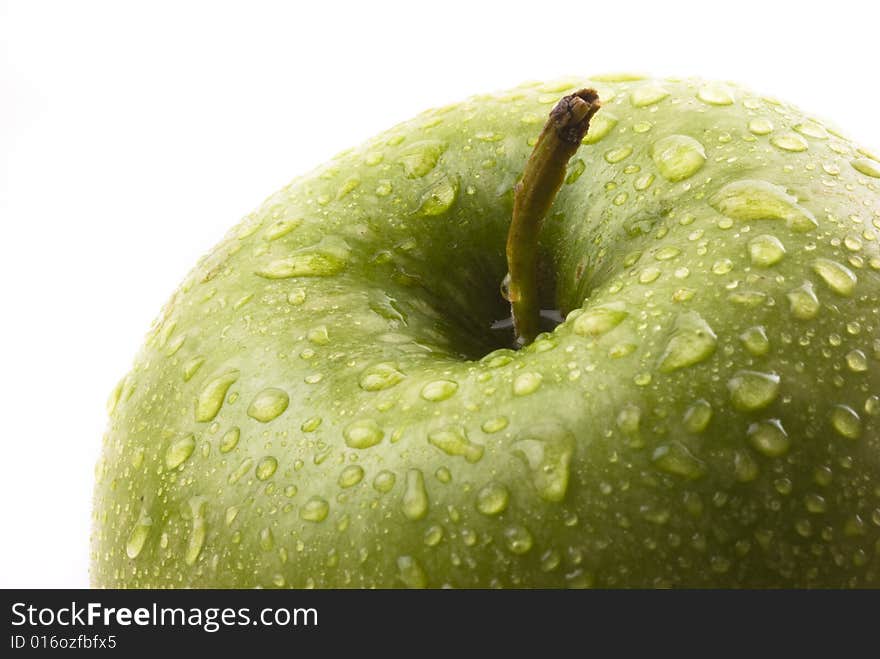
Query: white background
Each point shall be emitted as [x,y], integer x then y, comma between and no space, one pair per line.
[134,134]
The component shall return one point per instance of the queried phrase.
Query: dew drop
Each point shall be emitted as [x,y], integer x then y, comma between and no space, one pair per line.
[856,361]
[454,442]
[715,93]
[769,438]
[760,126]
[546,449]
[846,422]
[438,198]
[380,376]
[492,499]
[269,404]
[411,573]
[518,539]
[351,476]
[618,154]
[439,390]
[755,341]
[752,390]
[678,157]
[838,277]
[420,158]
[179,451]
[315,509]
[266,468]
[415,496]
[384,481]
[600,125]
[198,531]
[749,200]
[327,258]
[789,142]
[362,434]
[745,469]
[766,250]
[526,383]
[691,342]
[495,424]
[675,458]
[210,399]
[802,302]
[599,320]
[138,536]
[867,167]
[646,95]
[698,416]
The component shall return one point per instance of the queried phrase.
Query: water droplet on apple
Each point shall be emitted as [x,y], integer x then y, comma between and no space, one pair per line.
[761,126]
[676,459]
[380,376]
[439,390]
[198,531]
[415,496]
[802,302]
[419,158]
[439,197]
[789,142]
[749,200]
[269,404]
[600,125]
[647,94]
[846,422]
[745,469]
[599,320]
[691,342]
[546,449]
[526,383]
[752,390]
[138,536]
[384,481]
[766,250]
[411,573]
[454,442]
[518,539]
[492,499]
[856,361]
[327,258]
[715,93]
[678,157]
[433,535]
[838,277]
[495,424]
[697,416]
[315,509]
[240,471]
[769,438]
[362,434]
[616,155]
[210,399]
[867,167]
[266,468]
[755,341]
[180,451]
[350,476]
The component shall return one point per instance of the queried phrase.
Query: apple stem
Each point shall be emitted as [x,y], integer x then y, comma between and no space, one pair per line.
[532,199]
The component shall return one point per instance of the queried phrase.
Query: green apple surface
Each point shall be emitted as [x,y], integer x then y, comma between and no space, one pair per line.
[323,403]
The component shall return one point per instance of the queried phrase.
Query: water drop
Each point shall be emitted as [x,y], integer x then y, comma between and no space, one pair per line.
[789,142]
[518,539]
[138,536]
[492,499]
[384,481]
[526,383]
[315,509]
[439,390]
[599,320]
[752,390]
[715,93]
[755,341]
[495,424]
[839,278]
[546,449]
[646,95]
[618,154]
[761,126]
[691,342]
[857,361]
[846,422]
[745,469]
[362,434]
[698,416]
[380,376]
[269,404]
[678,157]
[419,158]
[325,259]
[415,497]
[867,167]
[766,250]
[411,573]
[351,476]
[802,302]
[769,438]
[266,468]
[438,198]
[210,399]
[198,531]
[454,442]
[675,458]
[179,451]
[749,200]
[600,125]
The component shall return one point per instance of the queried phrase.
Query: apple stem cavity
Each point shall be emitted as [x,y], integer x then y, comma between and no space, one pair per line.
[533,196]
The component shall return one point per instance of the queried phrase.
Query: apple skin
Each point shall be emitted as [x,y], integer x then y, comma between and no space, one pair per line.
[321,403]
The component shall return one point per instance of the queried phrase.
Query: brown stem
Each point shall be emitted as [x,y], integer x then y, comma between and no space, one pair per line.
[533,197]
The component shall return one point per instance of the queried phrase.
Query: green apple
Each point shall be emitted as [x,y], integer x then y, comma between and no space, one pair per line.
[324,401]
